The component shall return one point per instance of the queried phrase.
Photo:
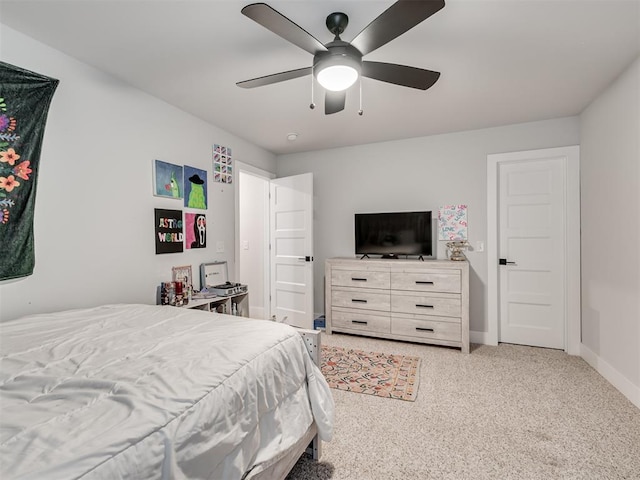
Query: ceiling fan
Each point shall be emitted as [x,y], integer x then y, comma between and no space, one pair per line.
[338,64]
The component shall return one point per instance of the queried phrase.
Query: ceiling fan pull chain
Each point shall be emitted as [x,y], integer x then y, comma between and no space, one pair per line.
[360,112]
[312,105]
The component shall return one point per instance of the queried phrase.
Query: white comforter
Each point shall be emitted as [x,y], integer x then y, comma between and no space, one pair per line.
[141,392]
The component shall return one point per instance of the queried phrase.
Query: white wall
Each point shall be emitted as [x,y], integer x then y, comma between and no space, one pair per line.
[94,216]
[414,174]
[610,178]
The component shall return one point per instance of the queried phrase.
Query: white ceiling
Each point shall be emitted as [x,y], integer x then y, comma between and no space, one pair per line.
[502,62]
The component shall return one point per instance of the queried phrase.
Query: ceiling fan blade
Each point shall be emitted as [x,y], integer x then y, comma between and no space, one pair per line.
[334,101]
[275,78]
[280,25]
[393,22]
[402,75]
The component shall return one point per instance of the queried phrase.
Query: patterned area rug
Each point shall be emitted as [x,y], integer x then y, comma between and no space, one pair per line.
[381,374]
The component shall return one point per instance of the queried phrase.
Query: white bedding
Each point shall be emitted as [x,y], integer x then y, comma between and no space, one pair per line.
[141,392]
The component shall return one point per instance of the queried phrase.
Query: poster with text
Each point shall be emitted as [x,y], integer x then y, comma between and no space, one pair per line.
[195,230]
[453,222]
[168,229]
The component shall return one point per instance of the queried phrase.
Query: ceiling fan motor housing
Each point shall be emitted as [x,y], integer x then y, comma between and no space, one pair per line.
[337,23]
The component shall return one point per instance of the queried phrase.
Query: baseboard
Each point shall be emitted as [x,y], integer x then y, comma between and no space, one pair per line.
[481,338]
[613,376]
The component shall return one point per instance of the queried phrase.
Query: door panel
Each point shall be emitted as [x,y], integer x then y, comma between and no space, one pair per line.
[532,236]
[291,218]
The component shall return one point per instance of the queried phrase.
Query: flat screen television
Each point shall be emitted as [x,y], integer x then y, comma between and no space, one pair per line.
[394,234]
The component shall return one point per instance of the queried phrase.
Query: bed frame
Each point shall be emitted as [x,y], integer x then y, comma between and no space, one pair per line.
[310,442]
[313,342]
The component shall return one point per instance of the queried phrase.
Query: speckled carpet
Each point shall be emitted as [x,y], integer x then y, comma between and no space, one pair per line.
[505,412]
[373,373]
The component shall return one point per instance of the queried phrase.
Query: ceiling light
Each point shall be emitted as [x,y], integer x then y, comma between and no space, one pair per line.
[337,77]
[292,137]
[338,69]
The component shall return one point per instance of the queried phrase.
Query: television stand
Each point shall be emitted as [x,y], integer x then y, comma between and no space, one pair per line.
[364,256]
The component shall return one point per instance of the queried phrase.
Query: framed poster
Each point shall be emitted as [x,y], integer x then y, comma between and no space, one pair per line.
[195,230]
[453,222]
[168,230]
[167,179]
[195,188]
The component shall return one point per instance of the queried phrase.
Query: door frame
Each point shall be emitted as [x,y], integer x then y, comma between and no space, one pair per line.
[571,155]
[266,274]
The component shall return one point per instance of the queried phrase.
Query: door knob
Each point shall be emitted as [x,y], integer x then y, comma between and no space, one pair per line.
[503,261]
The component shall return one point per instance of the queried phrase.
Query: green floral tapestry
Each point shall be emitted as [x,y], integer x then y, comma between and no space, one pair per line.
[24,102]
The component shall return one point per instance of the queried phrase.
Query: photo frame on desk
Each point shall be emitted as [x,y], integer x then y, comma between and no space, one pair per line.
[182,274]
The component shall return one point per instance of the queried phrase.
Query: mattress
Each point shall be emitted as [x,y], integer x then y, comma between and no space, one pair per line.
[139,391]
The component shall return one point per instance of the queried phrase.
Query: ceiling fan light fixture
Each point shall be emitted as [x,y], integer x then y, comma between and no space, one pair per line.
[337,72]
[337,77]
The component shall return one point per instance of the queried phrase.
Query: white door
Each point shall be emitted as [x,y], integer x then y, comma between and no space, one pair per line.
[532,265]
[291,219]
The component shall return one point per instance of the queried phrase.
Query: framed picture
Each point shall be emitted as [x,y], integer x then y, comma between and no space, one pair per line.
[182,274]
[169,231]
[453,222]
[167,180]
[195,187]
[195,230]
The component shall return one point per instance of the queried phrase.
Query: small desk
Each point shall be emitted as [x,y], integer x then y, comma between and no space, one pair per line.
[238,303]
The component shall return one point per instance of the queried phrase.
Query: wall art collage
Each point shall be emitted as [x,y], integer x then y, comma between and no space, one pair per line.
[173,232]
[222,164]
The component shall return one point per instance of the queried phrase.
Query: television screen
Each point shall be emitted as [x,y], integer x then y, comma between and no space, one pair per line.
[394,233]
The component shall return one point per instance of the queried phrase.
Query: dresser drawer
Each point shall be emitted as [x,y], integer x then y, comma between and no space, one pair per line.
[447,305]
[426,282]
[357,320]
[435,330]
[360,278]
[361,298]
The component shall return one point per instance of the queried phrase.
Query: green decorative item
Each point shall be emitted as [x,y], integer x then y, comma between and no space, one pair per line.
[24,103]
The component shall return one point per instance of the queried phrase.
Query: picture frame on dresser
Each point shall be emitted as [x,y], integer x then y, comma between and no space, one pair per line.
[182,274]
[401,299]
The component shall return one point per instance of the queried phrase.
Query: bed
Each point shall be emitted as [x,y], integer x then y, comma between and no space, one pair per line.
[142,392]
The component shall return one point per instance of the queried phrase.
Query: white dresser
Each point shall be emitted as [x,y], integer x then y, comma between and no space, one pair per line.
[412,300]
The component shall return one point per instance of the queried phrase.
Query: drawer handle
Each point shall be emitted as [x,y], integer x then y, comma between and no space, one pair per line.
[358,300]
[420,282]
[358,279]
[418,305]
[420,329]
[359,322]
